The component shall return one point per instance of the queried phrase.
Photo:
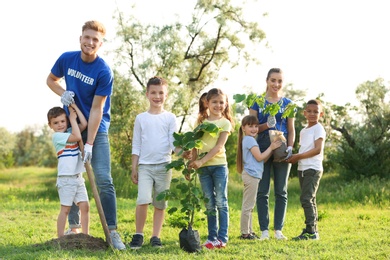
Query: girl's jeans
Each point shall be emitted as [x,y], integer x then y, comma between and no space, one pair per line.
[214,182]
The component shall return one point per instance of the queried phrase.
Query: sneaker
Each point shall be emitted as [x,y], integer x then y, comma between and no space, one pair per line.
[279,235]
[255,236]
[220,244]
[69,232]
[155,242]
[116,240]
[137,241]
[264,235]
[211,244]
[251,236]
[307,236]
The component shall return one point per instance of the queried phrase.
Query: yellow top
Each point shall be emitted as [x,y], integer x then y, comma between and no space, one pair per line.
[210,141]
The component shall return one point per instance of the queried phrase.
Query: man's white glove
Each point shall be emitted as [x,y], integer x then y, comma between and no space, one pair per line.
[87,152]
[67,98]
[271,121]
[289,152]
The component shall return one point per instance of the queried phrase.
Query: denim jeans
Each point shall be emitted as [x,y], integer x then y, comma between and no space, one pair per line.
[309,180]
[281,171]
[214,182]
[101,165]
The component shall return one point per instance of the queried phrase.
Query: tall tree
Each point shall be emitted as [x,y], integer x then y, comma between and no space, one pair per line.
[364,148]
[33,147]
[189,56]
[7,142]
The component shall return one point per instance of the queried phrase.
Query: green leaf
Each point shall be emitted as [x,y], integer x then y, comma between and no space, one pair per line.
[198,135]
[251,99]
[190,145]
[177,143]
[290,110]
[162,195]
[260,100]
[198,144]
[272,109]
[183,187]
[189,135]
[177,136]
[176,164]
[239,97]
[172,210]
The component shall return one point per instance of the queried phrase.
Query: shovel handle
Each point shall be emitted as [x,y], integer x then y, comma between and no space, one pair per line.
[96,196]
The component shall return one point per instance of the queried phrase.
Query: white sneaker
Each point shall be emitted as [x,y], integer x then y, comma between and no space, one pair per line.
[279,235]
[116,240]
[264,235]
[69,232]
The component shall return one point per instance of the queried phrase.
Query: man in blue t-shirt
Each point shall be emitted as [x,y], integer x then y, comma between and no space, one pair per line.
[89,84]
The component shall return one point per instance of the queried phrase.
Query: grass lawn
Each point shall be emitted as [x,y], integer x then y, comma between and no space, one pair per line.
[354,223]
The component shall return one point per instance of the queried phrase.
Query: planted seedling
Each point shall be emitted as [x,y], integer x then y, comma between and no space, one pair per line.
[186,189]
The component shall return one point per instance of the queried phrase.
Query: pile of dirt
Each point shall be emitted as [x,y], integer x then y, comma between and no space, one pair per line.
[76,241]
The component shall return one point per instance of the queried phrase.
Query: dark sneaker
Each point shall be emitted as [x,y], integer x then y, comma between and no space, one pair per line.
[155,242]
[137,241]
[307,236]
[256,236]
[249,236]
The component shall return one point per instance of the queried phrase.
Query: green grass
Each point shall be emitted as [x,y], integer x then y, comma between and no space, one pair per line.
[354,223]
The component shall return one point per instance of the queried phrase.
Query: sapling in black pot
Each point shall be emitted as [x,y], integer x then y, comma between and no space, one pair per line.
[185,188]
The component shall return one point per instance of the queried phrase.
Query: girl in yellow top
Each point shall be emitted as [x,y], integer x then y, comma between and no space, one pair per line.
[213,168]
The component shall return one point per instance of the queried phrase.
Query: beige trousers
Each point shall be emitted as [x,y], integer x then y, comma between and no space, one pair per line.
[248,201]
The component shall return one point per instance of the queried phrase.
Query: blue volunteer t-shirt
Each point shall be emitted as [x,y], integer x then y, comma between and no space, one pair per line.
[86,80]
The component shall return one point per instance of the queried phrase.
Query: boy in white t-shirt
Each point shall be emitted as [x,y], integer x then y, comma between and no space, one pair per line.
[152,147]
[310,169]
[70,182]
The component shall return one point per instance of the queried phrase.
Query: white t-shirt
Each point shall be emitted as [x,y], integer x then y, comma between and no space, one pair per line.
[306,141]
[153,137]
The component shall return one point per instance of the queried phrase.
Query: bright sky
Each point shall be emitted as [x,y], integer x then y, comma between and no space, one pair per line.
[323,46]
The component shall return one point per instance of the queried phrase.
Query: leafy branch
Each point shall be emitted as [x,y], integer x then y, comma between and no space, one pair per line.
[272,109]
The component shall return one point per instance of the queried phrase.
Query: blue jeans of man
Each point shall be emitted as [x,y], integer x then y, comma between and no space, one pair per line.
[101,165]
[281,171]
[214,182]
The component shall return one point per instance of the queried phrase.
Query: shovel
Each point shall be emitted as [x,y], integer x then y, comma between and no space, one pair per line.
[91,178]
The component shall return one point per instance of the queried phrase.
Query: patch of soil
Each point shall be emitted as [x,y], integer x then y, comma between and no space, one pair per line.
[76,241]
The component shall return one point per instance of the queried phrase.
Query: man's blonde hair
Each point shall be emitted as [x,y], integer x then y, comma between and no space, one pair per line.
[94,25]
